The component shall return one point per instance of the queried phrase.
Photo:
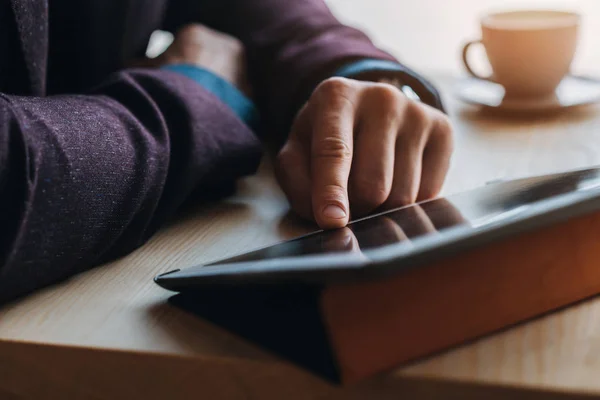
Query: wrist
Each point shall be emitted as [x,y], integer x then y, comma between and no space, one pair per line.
[226,92]
[217,66]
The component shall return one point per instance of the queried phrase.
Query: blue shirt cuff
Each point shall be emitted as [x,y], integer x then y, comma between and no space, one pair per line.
[223,90]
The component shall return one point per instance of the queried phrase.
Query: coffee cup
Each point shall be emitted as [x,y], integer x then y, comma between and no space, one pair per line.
[530,52]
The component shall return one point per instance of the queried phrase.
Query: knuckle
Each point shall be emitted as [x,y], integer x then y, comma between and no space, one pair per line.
[444,131]
[334,84]
[417,122]
[387,95]
[334,87]
[334,148]
[444,126]
[416,113]
[332,193]
[370,193]
[431,192]
[289,160]
[388,102]
[288,157]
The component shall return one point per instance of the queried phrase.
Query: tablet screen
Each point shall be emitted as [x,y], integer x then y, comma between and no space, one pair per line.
[488,205]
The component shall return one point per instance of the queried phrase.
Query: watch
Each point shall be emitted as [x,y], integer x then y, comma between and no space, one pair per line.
[404,88]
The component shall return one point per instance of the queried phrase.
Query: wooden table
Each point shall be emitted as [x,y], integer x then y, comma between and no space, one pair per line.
[109,334]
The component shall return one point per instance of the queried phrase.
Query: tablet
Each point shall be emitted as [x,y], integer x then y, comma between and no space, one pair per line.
[394,241]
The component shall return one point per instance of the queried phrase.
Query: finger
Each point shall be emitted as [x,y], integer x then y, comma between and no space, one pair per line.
[292,168]
[436,159]
[331,153]
[372,171]
[293,176]
[411,140]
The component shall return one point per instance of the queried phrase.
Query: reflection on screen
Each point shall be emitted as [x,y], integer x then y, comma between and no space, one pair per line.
[481,207]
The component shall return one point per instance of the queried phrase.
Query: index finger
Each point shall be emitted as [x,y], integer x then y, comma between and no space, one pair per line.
[331,154]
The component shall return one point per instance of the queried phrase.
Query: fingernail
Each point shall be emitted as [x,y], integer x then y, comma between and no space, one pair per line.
[335,212]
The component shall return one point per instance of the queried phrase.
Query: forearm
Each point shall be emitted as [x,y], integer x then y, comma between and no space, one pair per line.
[84,179]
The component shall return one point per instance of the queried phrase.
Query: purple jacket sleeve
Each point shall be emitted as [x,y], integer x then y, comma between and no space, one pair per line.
[292,46]
[87,178]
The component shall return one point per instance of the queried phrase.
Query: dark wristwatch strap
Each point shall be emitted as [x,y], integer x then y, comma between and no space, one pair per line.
[410,83]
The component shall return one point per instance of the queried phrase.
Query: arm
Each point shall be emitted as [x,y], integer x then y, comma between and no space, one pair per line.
[88,178]
[291,45]
[353,147]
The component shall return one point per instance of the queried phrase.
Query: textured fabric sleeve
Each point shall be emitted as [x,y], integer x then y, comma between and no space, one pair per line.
[291,46]
[88,178]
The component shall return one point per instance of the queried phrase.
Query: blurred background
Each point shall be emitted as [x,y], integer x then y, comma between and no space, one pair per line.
[443,26]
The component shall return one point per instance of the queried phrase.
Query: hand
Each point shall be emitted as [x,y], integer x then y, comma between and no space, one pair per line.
[358,146]
[217,52]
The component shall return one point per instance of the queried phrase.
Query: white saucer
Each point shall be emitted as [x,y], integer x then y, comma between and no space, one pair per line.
[573,91]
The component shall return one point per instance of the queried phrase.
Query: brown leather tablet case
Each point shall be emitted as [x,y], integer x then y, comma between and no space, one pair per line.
[352,331]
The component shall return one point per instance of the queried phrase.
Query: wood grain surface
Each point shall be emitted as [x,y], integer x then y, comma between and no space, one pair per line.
[109,334]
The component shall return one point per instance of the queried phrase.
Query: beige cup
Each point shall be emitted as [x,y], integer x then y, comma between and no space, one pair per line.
[530,51]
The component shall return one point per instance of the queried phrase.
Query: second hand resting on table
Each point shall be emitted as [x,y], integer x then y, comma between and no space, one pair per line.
[355,146]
